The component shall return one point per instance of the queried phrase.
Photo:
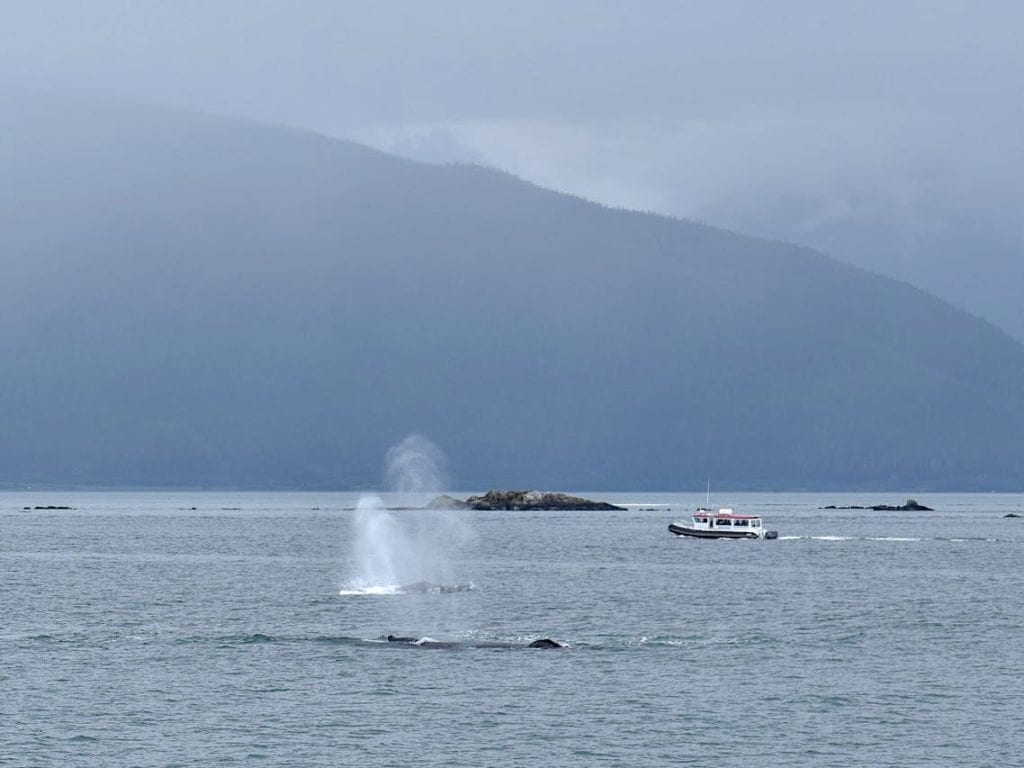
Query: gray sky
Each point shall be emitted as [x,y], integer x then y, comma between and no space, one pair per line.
[791,119]
[321,62]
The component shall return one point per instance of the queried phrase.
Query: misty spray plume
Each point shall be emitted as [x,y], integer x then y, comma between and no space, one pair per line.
[415,466]
[407,549]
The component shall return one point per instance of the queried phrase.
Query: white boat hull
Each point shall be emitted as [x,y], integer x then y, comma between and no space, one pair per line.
[699,533]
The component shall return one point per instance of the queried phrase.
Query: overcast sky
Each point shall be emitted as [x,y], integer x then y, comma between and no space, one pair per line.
[774,88]
[781,118]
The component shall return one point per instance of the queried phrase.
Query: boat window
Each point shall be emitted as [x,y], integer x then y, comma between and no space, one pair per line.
[741,522]
[756,523]
[723,522]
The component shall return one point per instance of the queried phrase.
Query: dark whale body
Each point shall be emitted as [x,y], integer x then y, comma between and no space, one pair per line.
[425,643]
[427,587]
[545,642]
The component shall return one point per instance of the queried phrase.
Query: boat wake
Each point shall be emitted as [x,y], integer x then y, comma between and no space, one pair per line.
[849,538]
[889,538]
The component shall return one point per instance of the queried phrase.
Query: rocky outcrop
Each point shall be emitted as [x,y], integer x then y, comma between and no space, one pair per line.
[520,500]
[527,500]
[911,505]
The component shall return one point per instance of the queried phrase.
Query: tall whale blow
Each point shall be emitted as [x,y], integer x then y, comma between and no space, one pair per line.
[401,549]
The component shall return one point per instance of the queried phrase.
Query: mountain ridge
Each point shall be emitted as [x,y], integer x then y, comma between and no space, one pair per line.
[203,301]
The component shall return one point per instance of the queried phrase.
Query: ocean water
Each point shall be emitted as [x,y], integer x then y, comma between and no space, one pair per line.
[196,629]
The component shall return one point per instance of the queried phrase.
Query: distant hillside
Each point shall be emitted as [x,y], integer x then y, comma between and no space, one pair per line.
[971,256]
[190,300]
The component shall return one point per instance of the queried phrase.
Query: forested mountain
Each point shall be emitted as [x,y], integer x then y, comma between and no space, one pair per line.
[970,256]
[193,300]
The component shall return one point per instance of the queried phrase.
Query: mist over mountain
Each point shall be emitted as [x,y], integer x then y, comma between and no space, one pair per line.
[904,195]
[965,248]
[194,300]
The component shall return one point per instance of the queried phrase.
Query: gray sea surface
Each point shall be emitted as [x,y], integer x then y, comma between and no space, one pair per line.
[223,628]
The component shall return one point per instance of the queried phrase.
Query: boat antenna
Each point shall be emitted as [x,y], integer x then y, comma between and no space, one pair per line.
[707,501]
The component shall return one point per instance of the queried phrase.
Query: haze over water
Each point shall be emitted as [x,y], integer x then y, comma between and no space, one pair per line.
[138,630]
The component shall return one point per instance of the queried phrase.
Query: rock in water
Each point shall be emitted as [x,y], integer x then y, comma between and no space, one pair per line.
[528,500]
[911,505]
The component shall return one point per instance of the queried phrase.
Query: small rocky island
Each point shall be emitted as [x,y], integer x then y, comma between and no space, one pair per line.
[521,501]
[911,505]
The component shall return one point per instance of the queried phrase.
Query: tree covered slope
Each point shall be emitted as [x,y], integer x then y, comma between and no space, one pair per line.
[191,300]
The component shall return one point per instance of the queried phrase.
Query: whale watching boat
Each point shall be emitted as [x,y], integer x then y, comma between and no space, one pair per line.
[723,524]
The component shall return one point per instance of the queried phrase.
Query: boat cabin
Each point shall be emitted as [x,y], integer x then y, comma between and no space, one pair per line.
[725,520]
[723,524]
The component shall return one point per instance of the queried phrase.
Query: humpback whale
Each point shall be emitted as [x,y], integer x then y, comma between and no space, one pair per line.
[545,642]
[427,587]
[426,642]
